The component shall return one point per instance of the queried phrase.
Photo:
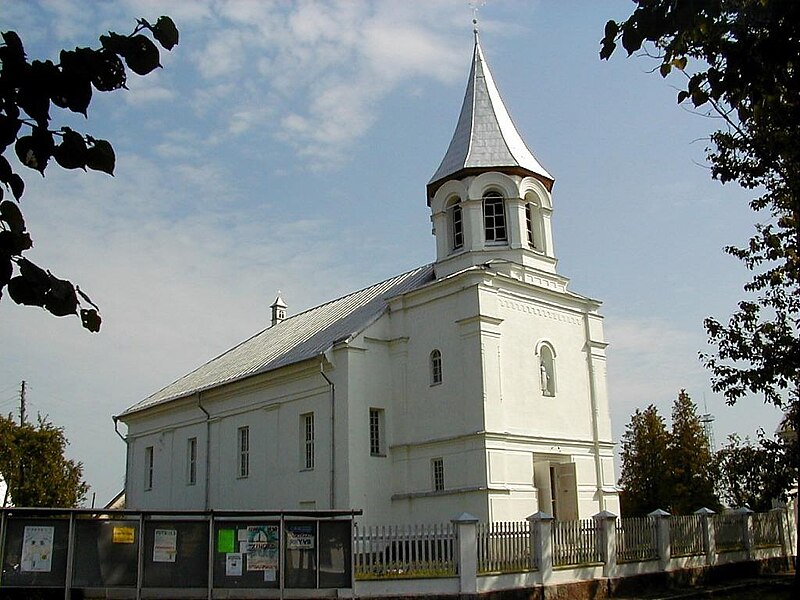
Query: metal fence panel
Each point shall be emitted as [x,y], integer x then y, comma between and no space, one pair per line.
[636,539]
[686,535]
[395,551]
[767,529]
[576,543]
[504,547]
[728,532]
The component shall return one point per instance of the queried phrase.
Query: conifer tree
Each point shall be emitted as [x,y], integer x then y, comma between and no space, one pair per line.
[691,478]
[645,470]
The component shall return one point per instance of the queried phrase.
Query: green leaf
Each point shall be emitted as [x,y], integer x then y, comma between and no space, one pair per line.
[166,33]
[90,319]
[35,150]
[679,63]
[108,72]
[30,286]
[682,95]
[664,69]
[632,38]
[14,243]
[141,55]
[60,299]
[611,30]
[5,170]
[34,93]
[17,186]
[11,214]
[73,89]
[6,269]
[607,50]
[100,156]
[71,152]
[9,128]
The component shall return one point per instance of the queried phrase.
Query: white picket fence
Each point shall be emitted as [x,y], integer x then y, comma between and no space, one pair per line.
[432,551]
[504,547]
[636,539]
[404,551]
[576,543]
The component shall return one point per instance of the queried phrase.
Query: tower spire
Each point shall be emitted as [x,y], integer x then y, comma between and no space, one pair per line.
[485,138]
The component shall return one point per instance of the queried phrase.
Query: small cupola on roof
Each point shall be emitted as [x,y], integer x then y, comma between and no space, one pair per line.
[278,309]
[485,137]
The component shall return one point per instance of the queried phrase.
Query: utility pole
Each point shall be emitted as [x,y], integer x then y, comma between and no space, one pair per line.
[22,403]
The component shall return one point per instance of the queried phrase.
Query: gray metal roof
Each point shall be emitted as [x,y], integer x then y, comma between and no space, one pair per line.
[294,339]
[485,136]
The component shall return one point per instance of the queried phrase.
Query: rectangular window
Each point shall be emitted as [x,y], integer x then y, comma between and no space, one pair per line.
[494,218]
[437,474]
[244,451]
[529,225]
[148,468]
[458,228]
[376,430]
[307,439]
[191,461]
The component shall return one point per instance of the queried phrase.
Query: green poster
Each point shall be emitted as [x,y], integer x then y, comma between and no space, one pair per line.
[225,540]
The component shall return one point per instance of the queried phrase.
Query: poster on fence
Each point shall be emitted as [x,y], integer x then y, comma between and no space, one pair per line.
[262,547]
[37,549]
[165,545]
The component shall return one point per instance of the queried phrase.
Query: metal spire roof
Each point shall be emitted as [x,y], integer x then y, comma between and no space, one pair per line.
[485,137]
[292,340]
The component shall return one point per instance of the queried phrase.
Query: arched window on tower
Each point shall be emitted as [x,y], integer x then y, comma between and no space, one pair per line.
[547,369]
[529,225]
[456,217]
[494,217]
[533,224]
[436,367]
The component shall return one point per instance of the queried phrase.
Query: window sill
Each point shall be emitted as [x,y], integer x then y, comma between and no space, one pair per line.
[381,455]
[435,384]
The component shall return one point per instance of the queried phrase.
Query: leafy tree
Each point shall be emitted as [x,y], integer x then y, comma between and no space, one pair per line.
[34,467]
[28,92]
[749,475]
[738,60]
[645,470]
[691,475]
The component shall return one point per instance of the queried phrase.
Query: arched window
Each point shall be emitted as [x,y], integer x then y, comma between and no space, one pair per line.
[494,217]
[547,370]
[457,225]
[529,225]
[436,367]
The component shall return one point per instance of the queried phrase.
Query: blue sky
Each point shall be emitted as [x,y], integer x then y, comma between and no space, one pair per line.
[286,145]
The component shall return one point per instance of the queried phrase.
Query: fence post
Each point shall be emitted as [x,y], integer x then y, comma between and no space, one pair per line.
[467,554]
[606,522]
[541,528]
[709,541]
[662,537]
[746,516]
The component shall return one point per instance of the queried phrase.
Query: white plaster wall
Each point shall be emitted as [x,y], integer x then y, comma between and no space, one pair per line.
[271,408]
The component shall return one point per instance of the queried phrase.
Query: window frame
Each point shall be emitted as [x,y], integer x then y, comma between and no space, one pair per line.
[307,441]
[496,221]
[437,474]
[457,226]
[377,430]
[191,461]
[148,467]
[436,374]
[243,452]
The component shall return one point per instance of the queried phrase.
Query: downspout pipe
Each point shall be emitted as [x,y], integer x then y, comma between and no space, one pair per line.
[208,451]
[332,497]
[127,452]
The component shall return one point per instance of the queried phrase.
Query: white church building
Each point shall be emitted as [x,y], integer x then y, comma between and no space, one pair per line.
[474,384]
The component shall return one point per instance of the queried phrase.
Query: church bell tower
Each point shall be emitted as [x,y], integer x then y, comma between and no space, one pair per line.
[490,198]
